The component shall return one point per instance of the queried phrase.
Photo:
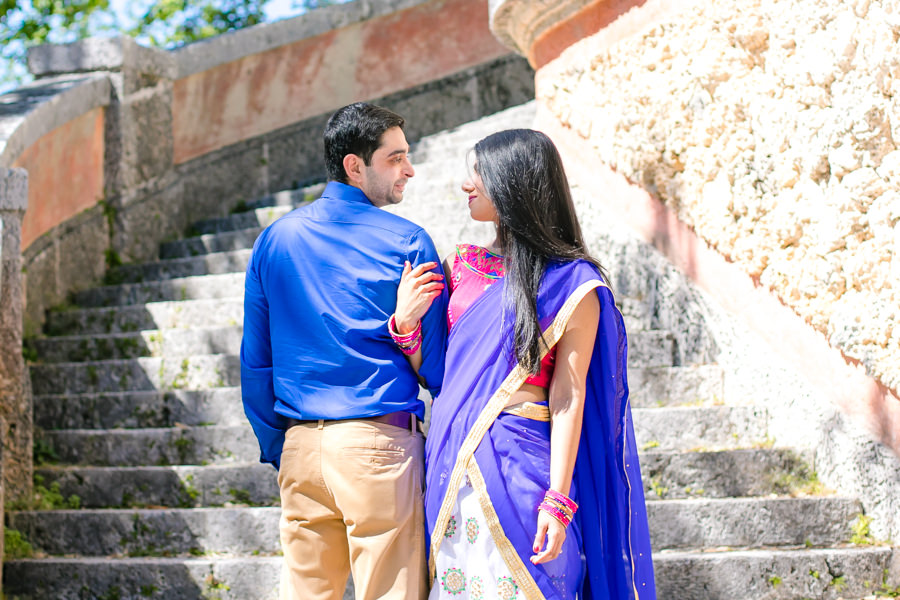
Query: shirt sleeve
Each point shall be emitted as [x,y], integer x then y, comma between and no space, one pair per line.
[434,323]
[257,386]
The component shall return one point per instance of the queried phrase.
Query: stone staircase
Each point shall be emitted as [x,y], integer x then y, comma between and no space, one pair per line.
[150,485]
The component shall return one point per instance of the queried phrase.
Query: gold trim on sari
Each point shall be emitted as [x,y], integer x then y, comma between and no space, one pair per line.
[529,410]
[524,580]
[489,414]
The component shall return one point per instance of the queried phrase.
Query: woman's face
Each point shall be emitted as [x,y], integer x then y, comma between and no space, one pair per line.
[480,206]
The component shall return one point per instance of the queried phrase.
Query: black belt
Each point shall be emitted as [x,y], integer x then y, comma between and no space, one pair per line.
[402,419]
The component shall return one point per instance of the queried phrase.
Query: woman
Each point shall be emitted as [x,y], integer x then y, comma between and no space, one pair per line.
[533,486]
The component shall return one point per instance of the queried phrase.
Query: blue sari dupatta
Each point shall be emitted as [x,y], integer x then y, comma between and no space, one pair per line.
[505,458]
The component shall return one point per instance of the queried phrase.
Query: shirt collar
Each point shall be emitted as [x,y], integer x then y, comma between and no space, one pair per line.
[347,193]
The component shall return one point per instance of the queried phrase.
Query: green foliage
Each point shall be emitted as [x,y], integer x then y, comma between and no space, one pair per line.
[177,22]
[15,545]
[165,23]
[43,453]
[44,498]
[861,535]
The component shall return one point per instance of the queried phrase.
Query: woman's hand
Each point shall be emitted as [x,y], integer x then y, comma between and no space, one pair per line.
[417,290]
[555,534]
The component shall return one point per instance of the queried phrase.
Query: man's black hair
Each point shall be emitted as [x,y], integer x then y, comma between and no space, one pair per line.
[355,129]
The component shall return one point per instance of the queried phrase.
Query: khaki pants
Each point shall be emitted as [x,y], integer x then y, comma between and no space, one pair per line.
[351,500]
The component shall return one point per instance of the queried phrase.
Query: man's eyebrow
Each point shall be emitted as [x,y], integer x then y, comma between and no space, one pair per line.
[399,151]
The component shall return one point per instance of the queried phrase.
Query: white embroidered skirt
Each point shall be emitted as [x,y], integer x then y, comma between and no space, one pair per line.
[468,564]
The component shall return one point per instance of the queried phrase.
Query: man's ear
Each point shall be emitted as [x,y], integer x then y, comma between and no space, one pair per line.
[353,166]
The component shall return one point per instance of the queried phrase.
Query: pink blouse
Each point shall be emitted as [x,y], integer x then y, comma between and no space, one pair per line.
[474,270]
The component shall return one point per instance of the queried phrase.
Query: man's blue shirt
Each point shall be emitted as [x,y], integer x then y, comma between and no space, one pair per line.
[320,287]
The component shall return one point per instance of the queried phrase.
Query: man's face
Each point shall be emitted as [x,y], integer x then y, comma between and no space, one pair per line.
[384,180]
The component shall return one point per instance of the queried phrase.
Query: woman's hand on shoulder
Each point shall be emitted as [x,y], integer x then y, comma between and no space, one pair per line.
[418,288]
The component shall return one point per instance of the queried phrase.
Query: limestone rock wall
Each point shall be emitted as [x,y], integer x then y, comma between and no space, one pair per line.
[772,129]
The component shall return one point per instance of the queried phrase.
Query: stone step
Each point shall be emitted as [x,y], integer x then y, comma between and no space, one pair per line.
[828,574]
[136,374]
[161,408]
[676,386]
[700,428]
[458,140]
[646,348]
[170,343]
[233,261]
[257,217]
[182,486]
[656,428]
[152,315]
[212,444]
[725,473]
[147,409]
[148,532]
[226,285]
[824,574]
[210,243]
[669,475]
[751,522]
[159,578]
[218,235]
[200,371]
[673,524]
[293,198]
[209,313]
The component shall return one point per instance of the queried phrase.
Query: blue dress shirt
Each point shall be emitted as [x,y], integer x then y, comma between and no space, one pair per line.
[320,287]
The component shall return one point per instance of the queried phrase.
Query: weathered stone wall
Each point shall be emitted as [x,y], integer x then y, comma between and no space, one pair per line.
[15,393]
[769,128]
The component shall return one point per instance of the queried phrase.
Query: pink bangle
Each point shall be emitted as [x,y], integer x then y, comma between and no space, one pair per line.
[411,349]
[555,513]
[562,499]
[403,339]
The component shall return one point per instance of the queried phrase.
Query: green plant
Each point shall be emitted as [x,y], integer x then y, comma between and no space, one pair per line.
[650,444]
[191,490]
[113,593]
[240,496]
[838,583]
[29,350]
[148,590]
[43,453]
[183,446]
[774,580]
[657,487]
[15,546]
[861,535]
[213,587]
[181,379]
[240,207]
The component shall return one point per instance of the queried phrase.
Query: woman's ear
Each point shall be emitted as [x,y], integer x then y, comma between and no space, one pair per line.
[353,167]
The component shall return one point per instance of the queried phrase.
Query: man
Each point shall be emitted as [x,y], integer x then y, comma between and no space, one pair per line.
[330,396]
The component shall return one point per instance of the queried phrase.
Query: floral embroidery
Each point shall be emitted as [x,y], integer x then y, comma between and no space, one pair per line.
[507,588]
[471,530]
[454,581]
[451,527]
[476,588]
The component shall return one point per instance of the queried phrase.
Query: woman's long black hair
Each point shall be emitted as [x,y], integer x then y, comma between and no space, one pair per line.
[523,176]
